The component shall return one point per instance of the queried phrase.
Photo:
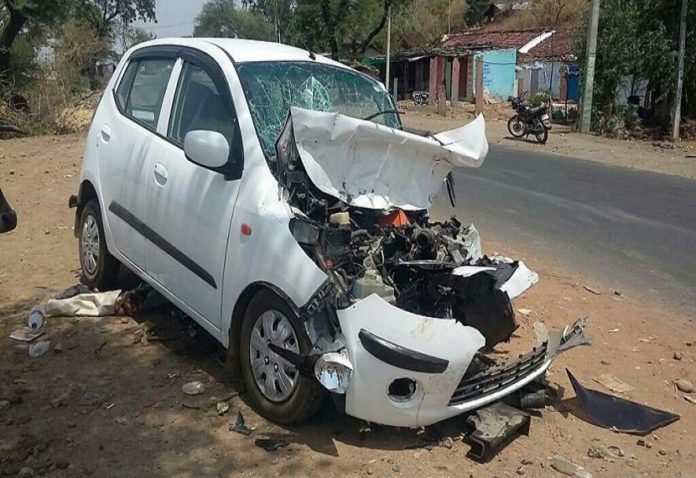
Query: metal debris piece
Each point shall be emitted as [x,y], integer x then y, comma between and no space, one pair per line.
[495,426]
[567,467]
[619,414]
[193,388]
[270,444]
[222,408]
[37,349]
[25,334]
[592,290]
[239,426]
[612,383]
[690,399]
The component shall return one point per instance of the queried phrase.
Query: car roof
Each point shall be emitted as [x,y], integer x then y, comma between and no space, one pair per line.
[243,51]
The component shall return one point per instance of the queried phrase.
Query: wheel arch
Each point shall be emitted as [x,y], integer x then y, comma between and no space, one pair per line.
[86,193]
[240,308]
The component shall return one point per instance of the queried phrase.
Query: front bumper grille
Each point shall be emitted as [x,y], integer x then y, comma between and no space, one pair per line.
[497,378]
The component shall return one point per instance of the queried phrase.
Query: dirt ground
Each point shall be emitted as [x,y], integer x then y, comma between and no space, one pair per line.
[109,405]
[661,157]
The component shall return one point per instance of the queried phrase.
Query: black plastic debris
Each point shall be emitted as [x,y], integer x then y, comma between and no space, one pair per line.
[239,425]
[73,291]
[619,414]
[495,427]
[270,444]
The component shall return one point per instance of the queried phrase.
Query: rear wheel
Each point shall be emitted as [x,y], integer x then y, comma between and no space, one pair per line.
[516,127]
[275,387]
[99,267]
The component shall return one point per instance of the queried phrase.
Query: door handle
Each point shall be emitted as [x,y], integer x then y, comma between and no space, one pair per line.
[161,174]
[105,133]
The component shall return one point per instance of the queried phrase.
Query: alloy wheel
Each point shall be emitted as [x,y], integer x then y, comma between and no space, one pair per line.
[89,245]
[275,377]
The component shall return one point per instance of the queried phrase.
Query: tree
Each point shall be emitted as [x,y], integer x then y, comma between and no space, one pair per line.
[222,18]
[104,15]
[17,15]
[129,36]
[618,47]
[276,12]
[637,40]
[475,13]
[76,50]
[341,26]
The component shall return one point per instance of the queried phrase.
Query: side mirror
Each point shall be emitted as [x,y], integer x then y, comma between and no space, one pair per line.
[210,149]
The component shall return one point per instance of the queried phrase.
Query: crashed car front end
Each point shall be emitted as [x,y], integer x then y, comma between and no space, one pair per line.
[411,307]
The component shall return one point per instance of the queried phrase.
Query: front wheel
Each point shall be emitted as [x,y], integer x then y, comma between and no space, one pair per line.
[516,127]
[275,387]
[541,133]
[99,267]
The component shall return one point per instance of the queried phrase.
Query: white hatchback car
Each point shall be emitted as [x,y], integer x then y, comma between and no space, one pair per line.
[273,196]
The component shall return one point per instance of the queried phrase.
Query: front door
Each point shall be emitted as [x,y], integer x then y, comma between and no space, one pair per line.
[190,207]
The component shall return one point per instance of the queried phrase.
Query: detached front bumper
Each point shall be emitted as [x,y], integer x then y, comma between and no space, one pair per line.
[409,370]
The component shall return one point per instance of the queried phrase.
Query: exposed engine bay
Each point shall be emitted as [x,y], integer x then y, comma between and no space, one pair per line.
[402,325]
[435,269]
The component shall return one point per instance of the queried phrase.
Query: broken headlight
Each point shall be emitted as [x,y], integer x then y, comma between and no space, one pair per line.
[304,231]
[333,370]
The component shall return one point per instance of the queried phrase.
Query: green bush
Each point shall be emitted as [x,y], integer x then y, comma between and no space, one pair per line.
[538,98]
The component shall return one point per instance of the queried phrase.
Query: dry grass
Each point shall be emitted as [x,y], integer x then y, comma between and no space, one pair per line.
[544,14]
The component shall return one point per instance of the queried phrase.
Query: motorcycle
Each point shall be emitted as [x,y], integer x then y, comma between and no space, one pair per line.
[529,120]
[420,98]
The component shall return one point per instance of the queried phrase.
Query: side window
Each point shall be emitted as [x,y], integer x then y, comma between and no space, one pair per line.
[141,91]
[199,105]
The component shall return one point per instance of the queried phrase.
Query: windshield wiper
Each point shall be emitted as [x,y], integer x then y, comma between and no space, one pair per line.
[379,113]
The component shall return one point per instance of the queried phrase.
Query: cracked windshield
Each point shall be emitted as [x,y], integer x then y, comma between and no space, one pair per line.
[273,87]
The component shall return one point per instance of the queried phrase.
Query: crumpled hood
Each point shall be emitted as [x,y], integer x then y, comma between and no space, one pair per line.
[373,166]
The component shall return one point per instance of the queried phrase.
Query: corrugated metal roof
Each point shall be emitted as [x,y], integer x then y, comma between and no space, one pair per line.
[558,47]
[481,39]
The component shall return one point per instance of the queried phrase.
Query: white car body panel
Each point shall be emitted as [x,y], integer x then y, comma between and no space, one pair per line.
[366,396]
[370,165]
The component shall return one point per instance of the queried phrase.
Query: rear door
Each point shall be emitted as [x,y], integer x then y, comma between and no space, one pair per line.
[124,144]
[189,206]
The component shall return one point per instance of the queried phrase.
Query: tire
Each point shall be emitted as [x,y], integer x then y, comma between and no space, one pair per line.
[516,127]
[541,134]
[306,395]
[99,267]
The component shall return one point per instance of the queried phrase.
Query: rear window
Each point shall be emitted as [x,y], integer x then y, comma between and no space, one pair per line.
[141,91]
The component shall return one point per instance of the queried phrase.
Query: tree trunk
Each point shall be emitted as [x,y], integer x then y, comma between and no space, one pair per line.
[364,46]
[9,34]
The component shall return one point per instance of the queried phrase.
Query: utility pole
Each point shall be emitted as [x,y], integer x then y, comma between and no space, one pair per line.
[449,17]
[588,87]
[386,80]
[479,85]
[676,110]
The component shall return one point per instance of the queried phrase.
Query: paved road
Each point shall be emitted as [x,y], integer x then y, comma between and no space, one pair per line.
[631,230]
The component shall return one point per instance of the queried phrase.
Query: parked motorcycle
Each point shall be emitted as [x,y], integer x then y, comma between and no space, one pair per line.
[420,98]
[529,120]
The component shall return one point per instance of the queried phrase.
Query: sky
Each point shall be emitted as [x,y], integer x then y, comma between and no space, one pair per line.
[174,17]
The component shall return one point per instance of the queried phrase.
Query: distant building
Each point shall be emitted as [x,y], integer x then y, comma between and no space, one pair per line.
[513,61]
[550,66]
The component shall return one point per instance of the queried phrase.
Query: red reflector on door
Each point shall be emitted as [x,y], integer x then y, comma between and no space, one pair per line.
[246,229]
